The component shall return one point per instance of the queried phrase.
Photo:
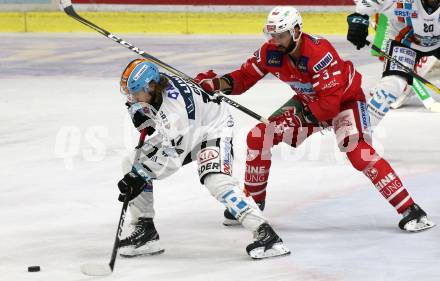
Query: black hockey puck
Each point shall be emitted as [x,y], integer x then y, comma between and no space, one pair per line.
[34,268]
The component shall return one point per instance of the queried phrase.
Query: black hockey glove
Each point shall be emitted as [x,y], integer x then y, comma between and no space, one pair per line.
[358,29]
[141,116]
[133,185]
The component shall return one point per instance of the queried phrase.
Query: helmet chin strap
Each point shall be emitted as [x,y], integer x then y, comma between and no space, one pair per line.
[293,43]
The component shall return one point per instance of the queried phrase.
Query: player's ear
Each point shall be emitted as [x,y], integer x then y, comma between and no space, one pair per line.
[297,32]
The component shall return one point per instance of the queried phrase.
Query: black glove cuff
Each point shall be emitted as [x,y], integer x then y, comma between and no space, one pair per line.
[228,79]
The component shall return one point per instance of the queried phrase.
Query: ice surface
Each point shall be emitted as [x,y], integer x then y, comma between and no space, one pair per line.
[63,133]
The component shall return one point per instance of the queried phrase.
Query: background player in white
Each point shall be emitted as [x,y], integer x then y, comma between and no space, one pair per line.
[423,67]
[414,32]
[184,124]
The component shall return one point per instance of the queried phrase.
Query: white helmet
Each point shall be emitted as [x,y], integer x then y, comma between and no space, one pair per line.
[283,18]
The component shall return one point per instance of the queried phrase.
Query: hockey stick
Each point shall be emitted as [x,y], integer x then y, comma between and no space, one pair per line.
[70,11]
[409,70]
[92,269]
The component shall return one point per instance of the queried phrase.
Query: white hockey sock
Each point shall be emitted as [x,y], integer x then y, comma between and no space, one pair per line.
[385,93]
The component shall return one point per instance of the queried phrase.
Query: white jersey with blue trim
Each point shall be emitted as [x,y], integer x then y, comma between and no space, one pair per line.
[185,119]
[409,23]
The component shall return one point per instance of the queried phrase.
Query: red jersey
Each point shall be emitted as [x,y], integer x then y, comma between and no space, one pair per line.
[319,77]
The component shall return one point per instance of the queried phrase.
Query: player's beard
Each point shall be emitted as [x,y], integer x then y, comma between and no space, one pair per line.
[288,49]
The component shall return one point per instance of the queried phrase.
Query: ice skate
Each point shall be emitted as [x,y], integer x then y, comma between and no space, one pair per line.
[144,240]
[403,98]
[415,220]
[267,244]
[230,220]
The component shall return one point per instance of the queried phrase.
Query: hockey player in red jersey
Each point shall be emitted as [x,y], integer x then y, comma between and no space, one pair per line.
[328,93]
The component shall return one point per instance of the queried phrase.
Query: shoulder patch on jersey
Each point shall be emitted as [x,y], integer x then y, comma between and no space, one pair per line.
[274,58]
[314,39]
[323,63]
[302,64]
[257,55]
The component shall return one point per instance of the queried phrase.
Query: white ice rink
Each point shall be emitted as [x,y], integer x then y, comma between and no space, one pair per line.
[62,138]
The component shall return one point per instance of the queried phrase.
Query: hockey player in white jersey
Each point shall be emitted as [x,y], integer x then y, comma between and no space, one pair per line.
[423,67]
[414,32]
[184,124]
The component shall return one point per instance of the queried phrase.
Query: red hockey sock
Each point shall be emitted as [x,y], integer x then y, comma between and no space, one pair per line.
[364,158]
[258,161]
[256,176]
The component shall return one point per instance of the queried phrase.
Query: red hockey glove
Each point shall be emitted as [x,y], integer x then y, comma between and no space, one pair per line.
[287,119]
[209,81]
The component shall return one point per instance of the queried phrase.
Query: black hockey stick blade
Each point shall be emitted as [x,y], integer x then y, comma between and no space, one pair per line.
[407,69]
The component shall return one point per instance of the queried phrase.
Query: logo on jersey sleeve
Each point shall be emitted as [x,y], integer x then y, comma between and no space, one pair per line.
[323,63]
[257,55]
[315,39]
[274,58]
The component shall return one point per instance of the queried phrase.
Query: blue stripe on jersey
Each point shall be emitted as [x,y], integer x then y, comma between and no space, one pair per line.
[187,95]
